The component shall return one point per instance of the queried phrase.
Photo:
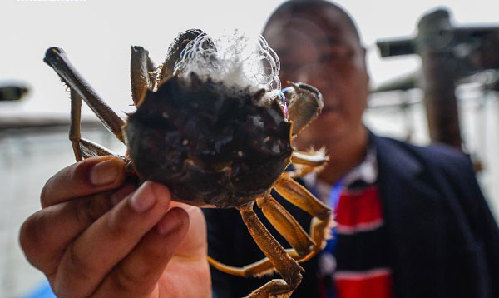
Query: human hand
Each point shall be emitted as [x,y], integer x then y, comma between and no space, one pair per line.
[98,236]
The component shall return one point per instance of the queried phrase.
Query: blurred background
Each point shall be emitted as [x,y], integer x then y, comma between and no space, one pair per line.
[97,35]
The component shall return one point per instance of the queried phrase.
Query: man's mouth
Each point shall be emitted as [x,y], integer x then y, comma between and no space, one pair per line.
[330,109]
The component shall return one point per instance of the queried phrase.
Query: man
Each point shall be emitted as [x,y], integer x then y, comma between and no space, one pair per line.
[412,222]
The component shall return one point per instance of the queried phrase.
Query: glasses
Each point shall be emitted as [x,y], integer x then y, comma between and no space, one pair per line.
[316,61]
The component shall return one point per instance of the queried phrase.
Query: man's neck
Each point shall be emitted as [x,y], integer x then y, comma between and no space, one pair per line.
[345,154]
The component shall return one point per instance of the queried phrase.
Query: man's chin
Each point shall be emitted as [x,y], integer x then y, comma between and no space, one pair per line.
[328,117]
[316,141]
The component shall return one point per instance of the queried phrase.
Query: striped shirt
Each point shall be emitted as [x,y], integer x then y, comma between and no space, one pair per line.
[354,263]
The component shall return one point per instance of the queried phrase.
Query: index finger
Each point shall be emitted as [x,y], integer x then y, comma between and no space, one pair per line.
[90,176]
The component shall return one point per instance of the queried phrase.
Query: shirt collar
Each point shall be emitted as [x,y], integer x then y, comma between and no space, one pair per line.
[366,171]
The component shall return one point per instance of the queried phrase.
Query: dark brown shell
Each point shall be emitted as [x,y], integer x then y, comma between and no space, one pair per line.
[210,144]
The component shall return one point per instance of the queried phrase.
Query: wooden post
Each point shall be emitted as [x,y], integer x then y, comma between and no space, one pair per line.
[440,68]
[448,53]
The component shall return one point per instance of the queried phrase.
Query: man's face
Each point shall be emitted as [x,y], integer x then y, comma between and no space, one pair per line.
[325,53]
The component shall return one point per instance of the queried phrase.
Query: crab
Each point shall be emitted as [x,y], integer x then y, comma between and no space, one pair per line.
[215,146]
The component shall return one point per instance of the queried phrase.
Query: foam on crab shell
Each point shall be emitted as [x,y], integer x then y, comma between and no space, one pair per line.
[236,59]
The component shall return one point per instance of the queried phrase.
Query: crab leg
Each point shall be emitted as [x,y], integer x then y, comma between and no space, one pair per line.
[284,264]
[305,104]
[56,58]
[258,268]
[89,148]
[277,259]
[174,52]
[75,126]
[302,198]
[142,74]
[285,224]
[313,158]
[307,162]
[82,148]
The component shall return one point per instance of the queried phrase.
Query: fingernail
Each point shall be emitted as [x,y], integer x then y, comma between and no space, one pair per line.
[143,199]
[170,223]
[104,172]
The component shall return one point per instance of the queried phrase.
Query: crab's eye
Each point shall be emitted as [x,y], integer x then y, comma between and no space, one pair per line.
[283,103]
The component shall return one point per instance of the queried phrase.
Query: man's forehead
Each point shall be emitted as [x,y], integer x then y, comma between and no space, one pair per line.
[325,29]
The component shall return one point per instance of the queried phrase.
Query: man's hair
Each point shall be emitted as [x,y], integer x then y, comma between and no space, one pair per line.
[292,8]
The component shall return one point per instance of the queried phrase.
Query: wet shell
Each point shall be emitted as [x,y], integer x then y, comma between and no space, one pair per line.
[211,144]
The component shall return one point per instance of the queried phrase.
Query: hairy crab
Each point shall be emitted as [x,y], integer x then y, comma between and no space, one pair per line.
[218,146]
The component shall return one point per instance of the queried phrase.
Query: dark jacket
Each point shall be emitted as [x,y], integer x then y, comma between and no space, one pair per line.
[442,239]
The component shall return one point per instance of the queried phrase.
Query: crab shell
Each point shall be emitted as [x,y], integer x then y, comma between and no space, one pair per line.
[212,145]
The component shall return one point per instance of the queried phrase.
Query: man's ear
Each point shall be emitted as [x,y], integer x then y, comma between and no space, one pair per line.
[364,52]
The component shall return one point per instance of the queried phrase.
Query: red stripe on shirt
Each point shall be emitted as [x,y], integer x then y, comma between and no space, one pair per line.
[358,209]
[372,284]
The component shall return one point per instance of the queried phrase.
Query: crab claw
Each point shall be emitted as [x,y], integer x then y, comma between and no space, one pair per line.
[305,104]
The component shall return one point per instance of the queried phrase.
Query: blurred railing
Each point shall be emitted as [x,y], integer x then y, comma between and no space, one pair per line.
[30,153]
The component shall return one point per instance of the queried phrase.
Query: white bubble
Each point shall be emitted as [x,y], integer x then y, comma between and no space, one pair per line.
[235,59]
